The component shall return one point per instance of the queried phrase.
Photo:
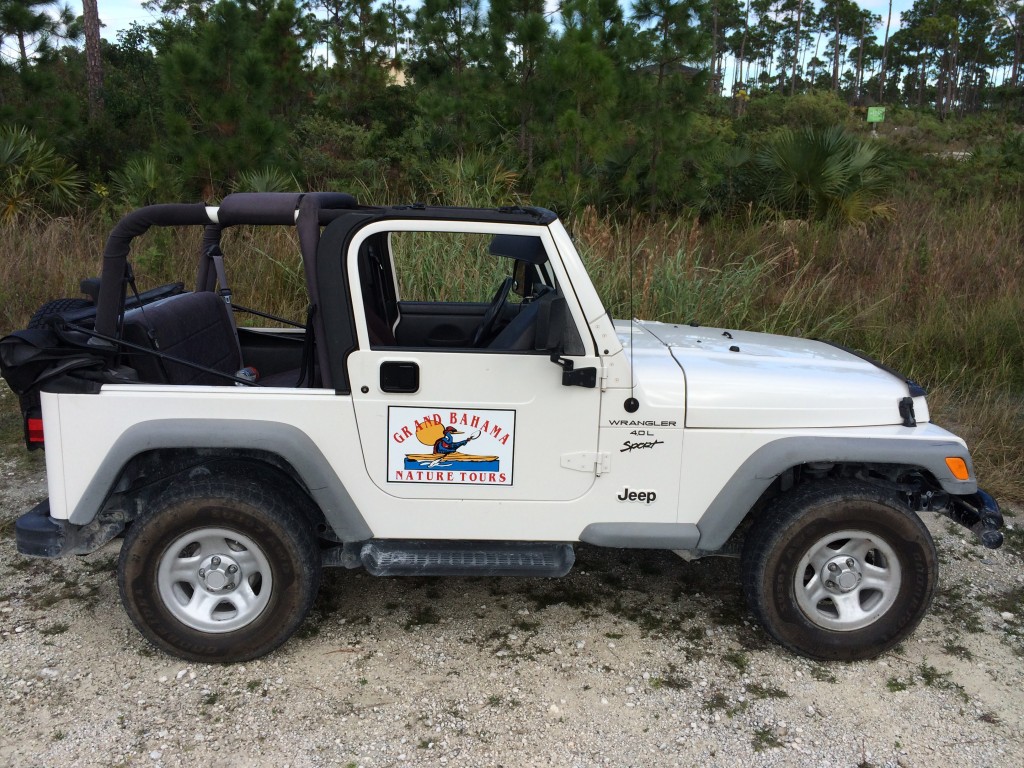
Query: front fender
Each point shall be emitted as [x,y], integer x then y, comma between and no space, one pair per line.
[762,467]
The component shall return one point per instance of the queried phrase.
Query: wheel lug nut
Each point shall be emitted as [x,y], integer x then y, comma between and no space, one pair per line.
[215,561]
[830,584]
[833,567]
[202,573]
[229,585]
[232,569]
[849,562]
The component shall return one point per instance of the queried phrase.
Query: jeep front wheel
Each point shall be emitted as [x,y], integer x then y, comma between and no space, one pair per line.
[220,569]
[839,571]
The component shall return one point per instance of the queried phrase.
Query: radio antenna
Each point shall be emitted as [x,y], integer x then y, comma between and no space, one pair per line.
[631,404]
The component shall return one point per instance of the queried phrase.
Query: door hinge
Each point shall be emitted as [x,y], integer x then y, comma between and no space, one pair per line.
[587,461]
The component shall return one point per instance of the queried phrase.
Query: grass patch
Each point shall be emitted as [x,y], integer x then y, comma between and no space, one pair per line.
[1013,540]
[952,647]
[953,605]
[715,702]
[759,691]
[897,684]
[738,659]
[822,674]
[764,738]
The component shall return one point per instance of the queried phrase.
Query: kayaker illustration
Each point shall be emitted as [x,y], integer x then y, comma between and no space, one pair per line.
[445,450]
[446,445]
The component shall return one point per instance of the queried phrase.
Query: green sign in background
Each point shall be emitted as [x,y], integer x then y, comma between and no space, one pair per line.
[876,114]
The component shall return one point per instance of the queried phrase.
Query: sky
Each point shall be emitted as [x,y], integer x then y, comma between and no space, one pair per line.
[116,15]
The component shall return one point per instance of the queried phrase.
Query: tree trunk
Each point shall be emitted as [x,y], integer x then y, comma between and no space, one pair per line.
[835,56]
[1018,39]
[796,45]
[714,46]
[743,46]
[93,59]
[860,64]
[885,55]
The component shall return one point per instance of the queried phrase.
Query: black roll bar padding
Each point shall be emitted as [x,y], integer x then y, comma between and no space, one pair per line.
[115,254]
[211,239]
[238,208]
[307,225]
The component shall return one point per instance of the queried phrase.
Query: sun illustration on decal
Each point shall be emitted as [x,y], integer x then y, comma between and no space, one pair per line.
[429,432]
[444,445]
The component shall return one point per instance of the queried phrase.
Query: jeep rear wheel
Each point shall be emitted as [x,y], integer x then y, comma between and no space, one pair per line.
[839,571]
[221,569]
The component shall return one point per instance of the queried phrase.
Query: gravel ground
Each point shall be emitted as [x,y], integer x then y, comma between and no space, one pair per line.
[634,659]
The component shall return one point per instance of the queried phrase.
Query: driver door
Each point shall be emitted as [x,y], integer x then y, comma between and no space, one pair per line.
[450,423]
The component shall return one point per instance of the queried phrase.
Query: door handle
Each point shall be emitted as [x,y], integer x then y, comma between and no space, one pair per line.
[401,377]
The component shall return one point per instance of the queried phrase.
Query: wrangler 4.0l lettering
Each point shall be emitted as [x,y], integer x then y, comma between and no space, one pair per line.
[489,432]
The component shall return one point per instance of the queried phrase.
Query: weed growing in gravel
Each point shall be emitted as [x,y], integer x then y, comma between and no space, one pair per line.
[562,592]
[210,699]
[68,590]
[953,647]
[764,738]
[59,735]
[822,674]
[55,629]
[738,659]
[253,685]
[935,679]
[990,717]
[716,701]
[1010,601]
[953,605]
[759,691]
[1013,539]
[896,684]
[694,634]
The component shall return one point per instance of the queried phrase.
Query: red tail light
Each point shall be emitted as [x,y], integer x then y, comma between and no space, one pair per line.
[34,430]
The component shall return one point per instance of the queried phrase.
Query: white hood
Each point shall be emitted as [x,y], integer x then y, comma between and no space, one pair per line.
[744,380]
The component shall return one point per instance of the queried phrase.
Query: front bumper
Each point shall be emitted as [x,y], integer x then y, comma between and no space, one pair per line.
[978,512]
[39,535]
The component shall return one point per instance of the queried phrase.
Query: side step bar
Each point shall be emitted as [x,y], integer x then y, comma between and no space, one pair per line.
[394,557]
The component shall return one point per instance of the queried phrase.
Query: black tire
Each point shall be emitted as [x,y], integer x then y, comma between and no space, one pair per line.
[846,607]
[56,307]
[216,614]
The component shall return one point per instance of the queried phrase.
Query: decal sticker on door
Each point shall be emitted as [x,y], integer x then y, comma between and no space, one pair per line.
[455,446]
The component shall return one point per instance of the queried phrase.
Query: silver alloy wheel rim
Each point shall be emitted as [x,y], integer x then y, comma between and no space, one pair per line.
[847,580]
[214,580]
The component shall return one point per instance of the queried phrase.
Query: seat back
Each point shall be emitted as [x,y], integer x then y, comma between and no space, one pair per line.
[190,326]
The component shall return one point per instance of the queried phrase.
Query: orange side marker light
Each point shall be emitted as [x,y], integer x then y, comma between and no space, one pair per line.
[958,467]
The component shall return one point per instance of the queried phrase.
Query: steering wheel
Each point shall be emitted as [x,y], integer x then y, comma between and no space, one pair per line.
[483,332]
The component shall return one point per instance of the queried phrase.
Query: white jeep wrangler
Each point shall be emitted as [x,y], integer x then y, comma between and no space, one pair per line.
[410,430]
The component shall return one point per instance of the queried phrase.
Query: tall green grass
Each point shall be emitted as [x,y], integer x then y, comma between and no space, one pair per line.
[935,292]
